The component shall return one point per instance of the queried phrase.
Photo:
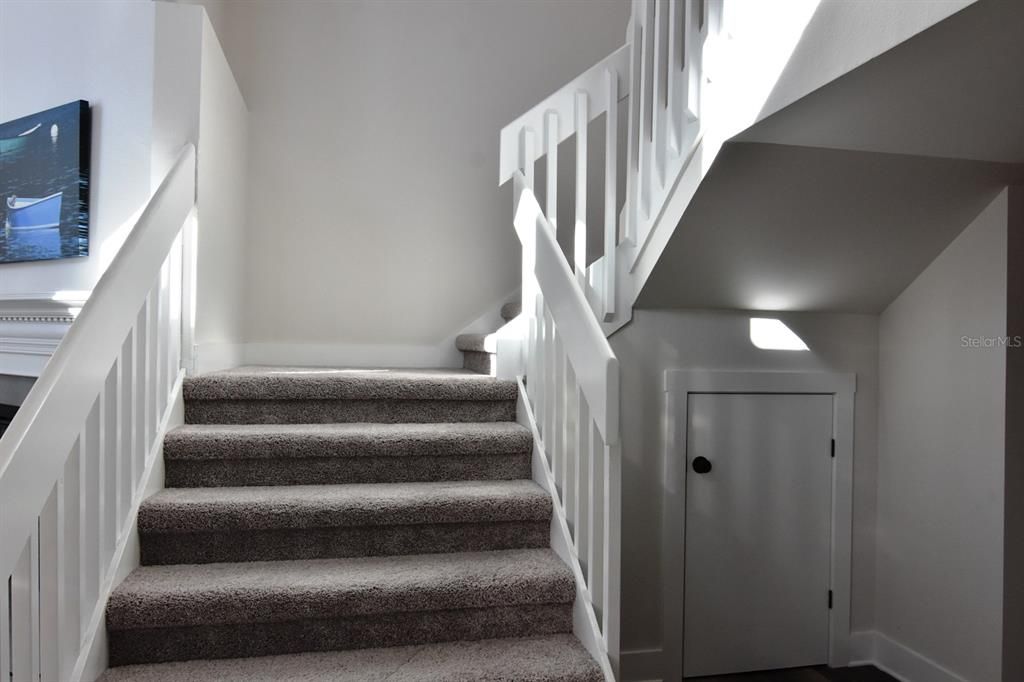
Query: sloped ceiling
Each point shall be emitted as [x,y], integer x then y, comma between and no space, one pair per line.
[780,227]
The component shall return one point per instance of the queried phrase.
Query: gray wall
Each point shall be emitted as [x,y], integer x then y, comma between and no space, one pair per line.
[374,214]
[657,340]
[940,456]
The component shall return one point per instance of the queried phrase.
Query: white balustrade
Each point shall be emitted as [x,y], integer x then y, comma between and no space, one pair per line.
[569,374]
[73,460]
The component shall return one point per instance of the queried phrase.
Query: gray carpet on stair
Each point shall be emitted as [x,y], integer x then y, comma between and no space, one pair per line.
[207,455]
[316,506]
[344,440]
[328,510]
[481,343]
[307,383]
[208,525]
[276,591]
[511,310]
[484,363]
[557,658]
[239,640]
[322,411]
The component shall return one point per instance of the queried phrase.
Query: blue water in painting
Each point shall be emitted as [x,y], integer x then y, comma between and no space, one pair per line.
[37,165]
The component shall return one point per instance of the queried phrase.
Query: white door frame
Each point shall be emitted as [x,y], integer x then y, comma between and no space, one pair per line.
[679,384]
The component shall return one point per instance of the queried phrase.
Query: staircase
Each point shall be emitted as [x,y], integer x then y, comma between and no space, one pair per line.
[316,517]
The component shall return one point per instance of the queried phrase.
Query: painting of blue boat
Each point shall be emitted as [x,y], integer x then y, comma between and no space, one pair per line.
[44,185]
[34,214]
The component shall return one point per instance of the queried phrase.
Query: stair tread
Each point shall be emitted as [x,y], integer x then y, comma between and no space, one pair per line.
[356,504]
[511,310]
[264,441]
[554,658]
[479,343]
[268,591]
[336,383]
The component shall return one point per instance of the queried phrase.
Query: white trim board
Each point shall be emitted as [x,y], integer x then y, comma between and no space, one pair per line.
[873,648]
[678,385]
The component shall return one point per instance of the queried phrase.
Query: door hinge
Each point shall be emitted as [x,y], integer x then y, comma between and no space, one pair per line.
[830,598]
[833,447]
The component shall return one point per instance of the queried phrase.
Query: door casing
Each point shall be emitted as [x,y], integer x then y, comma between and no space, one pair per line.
[679,384]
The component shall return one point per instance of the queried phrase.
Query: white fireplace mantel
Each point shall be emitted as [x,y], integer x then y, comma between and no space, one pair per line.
[31,327]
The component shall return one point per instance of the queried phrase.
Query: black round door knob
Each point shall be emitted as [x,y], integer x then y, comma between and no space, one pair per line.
[701,465]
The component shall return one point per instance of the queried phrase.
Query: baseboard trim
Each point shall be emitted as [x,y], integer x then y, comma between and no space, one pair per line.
[641,665]
[896,659]
[867,647]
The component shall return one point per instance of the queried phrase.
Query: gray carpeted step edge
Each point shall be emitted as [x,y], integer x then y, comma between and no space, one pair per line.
[374,504]
[283,383]
[511,310]
[281,441]
[555,658]
[484,363]
[328,411]
[478,343]
[279,591]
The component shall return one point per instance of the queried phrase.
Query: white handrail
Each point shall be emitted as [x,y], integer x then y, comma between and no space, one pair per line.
[72,460]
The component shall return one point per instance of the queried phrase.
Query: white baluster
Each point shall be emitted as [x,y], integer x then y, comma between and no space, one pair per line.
[528,155]
[89,519]
[570,499]
[659,95]
[109,443]
[551,151]
[24,608]
[612,539]
[139,410]
[611,171]
[69,548]
[580,232]
[585,452]
[630,232]
[676,82]
[152,368]
[5,629]
[125,430]
[646,123]
[50,523]
[595,579]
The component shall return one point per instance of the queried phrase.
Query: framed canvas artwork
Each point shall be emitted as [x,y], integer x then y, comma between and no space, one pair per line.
[44,185]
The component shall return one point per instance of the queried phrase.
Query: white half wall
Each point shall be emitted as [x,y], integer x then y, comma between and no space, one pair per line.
[658,340]
[375,219]
[941,456]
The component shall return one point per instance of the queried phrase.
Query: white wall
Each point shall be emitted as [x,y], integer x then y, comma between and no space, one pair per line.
[375,220]
[657,340]
[940,456]
[58,51]
[222,194]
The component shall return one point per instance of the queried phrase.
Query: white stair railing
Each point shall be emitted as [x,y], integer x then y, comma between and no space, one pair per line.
[568,372]
[73,460]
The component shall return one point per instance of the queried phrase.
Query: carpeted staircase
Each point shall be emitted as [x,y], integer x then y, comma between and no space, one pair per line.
[324,524]
[478,350]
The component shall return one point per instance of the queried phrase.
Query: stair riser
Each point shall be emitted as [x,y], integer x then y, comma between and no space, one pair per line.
[477,361]
[385,630]
[347,411]
[327,543]
[321,470]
